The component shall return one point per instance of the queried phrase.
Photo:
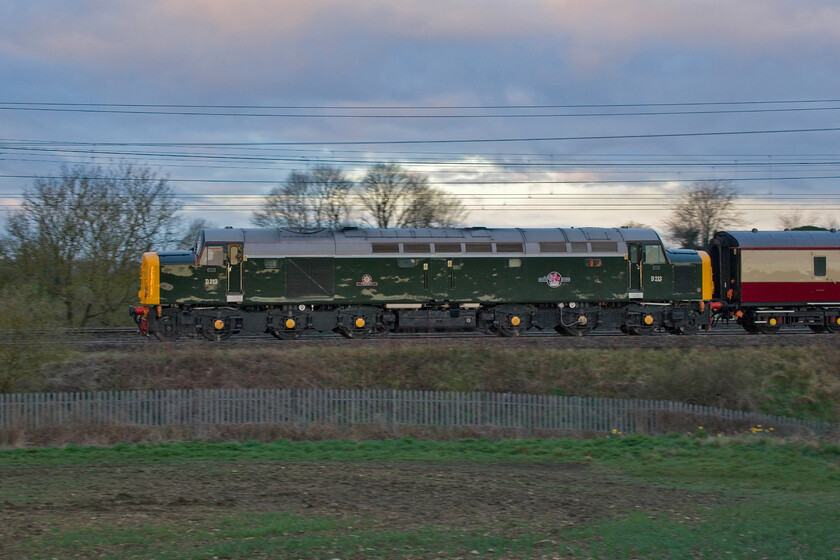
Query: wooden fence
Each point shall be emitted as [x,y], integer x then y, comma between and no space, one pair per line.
[390,408]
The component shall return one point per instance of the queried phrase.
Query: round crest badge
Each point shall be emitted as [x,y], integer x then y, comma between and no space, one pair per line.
[554,279]
[367,281]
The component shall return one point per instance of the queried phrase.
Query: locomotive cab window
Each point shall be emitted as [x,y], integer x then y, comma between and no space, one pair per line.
[634,253]
[819,266]
[235,254]
[213,255]
[654,254]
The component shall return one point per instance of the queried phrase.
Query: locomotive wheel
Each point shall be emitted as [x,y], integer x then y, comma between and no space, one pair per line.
[510,331]
[216,336]
[574,330]
[768,329]
[354,333]
[635,330]
[168,334]
[690,325]
[284,334]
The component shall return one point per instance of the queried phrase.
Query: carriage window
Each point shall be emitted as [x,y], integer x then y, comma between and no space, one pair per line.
[654,255]
[819,266]
[214,255]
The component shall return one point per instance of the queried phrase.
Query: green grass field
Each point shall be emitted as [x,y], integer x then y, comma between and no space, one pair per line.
[686,496]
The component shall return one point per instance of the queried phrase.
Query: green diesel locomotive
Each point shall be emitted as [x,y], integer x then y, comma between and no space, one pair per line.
[364,282]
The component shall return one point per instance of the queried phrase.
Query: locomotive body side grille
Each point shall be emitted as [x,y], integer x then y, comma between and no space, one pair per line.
[310,277]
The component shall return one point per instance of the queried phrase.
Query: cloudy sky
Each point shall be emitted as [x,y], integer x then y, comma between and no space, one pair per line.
[533,112]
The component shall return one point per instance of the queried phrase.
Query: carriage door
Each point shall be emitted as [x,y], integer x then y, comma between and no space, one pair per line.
[634,261]
[235,258]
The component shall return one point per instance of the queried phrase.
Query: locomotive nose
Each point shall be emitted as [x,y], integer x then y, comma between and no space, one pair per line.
[149,293]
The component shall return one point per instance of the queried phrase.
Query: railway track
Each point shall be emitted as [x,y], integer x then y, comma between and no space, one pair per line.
[100,339]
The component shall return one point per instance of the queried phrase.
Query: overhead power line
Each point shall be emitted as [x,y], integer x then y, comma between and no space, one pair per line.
[480,181]
[460,140]
[431,107]
[412,115]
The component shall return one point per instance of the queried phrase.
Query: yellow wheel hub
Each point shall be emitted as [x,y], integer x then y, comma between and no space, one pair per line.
[219,324]
[290,323]
[648,320]
[515,321]
[360,322]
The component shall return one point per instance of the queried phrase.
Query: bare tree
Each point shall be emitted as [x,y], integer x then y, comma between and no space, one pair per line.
[395,197]
[634,225]
[187,239]
[312,199]
[78,239]
[798,220]
[704,208]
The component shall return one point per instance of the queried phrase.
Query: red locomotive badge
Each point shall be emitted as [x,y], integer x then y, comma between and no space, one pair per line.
[554,279]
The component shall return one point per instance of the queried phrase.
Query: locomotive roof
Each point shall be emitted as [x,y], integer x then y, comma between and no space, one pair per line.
[268,242]
[779,239]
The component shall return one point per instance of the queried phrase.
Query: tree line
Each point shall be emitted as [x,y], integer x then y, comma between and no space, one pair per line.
[70,254]
[388,196]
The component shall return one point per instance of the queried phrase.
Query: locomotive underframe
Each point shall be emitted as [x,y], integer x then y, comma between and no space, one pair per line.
[361,321]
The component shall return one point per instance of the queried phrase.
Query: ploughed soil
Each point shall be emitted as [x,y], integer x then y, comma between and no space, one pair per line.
[503,499]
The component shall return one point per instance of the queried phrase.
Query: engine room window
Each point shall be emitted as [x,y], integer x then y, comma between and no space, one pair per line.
[385,247]
[514,263]
[213,256]
[580,247]
[508,247]
[654,255]
[552,247]
[447,247]
[604,247]
[407,263]
[819,266]
[417,247]
[479,247]
[272,263]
